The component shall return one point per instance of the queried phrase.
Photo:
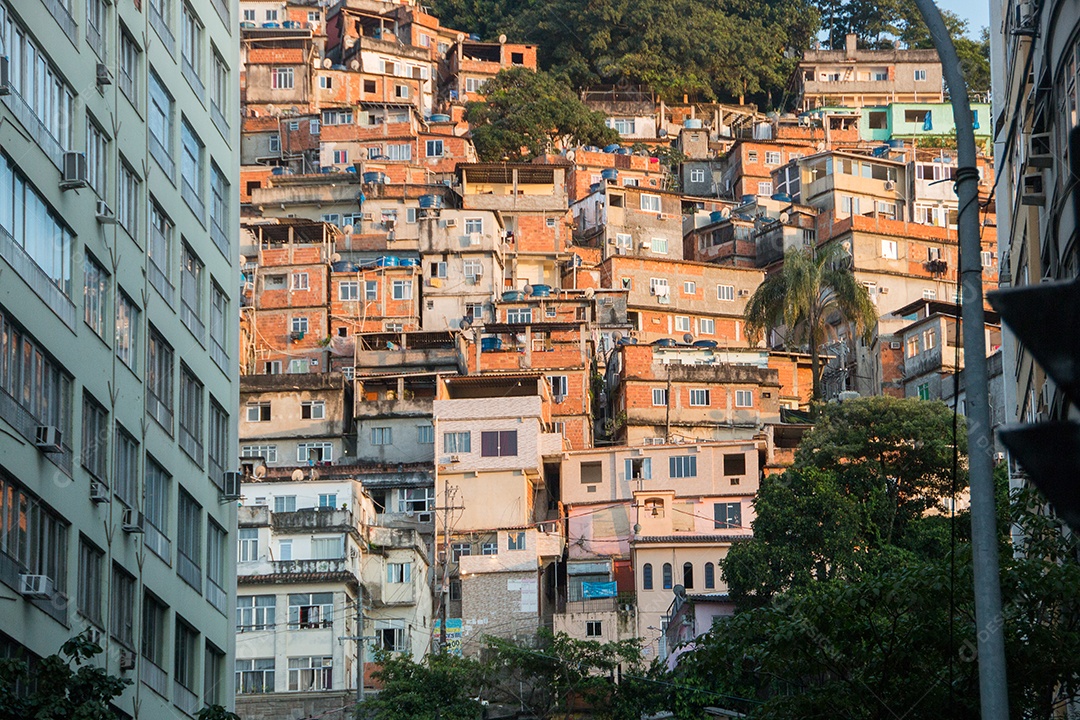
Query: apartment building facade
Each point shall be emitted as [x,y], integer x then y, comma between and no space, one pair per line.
[118,305]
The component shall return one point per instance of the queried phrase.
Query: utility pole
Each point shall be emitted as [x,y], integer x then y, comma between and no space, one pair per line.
[993,691]
[360,643]
[445,571]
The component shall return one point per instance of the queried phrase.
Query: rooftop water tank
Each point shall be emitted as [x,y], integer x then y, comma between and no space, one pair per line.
[513,296]
[387,261]
[609,174]
[747,199]
[489,344]
[541,291]
[611,148]
[342,266]
[440,118]
[704,343]
[431,202]
[782,197]
[374,177]
[716,216]
[692,123]
[896,144]
[409,262]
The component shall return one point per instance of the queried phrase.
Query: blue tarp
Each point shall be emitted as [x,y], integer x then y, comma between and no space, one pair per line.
[590,590]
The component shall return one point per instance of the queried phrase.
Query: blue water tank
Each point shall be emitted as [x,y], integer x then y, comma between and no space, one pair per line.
[431,202]
[278,171]
[692,123]
[595,187]
[541,291]
[440,118]
[342,266]
[410,262]
[704,343]
[374,177]
[474,37]
[248,25]
[387,261]
[747,199]
[665,342]
[290,24]
[327,169]
[896,144]
[270,25]
[513,296]
[782,197]
[490,344]
[609,174]
[611,148]
[716,216]
[624,151]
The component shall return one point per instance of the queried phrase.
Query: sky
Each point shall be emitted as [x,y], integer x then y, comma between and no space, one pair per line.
[976,12]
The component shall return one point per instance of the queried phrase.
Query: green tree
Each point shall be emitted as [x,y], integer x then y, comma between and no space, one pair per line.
[440,687]
[526,114]
[64,686]
[810,289]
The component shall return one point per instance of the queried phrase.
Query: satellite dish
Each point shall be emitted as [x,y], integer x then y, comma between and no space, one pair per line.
[270,109]
[259,471]
[297,475]
[570,155]
[335,258]
[725,212]
[527,289]
[314,474]
[688,338]
[616,336]
[327,63]
[243,260]
[680,591]
[354,65]
[502,39]
[460,37]
[348,229]
[464,323]
[784,217]
[589,292]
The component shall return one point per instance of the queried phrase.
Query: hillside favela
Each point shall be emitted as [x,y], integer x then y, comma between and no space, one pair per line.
[537,359]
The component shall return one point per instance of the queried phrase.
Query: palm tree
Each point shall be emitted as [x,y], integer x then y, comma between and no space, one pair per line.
[813,285]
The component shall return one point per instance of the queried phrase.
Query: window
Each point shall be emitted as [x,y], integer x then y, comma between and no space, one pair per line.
[36,384]
[159,380]
[213,674]
[434,148]
[659,397]
[126,466]
[688,575]
[706,326]
[255,675]
[260,452]
[95,433]
[498,443]
[248,544]
[299,281]
[349,291]
[397,573]
[751,156]
[313,410]
[744,398]
[697,175]
[689,288]
[416,500]
[48,98]
[929,339]
[311,610]
[328,548]
[311,673]
[159,249]
[341,157]
[667,576]
[219,89]
[734,464]
[473,85]
[191,31]
[382,436]
[128,75]
[457,442]
[156,510]
[390,635]
[90,581]
[216,562]
[425,434]
[658,286]
[646,576]
[560,386]
[438,269]
[219,311]
[399,152]
[700,397]
[773,158]
[725,292]
[314,452]
[219,209]
[638,468]
[154,631]
[474,225]
[650,203]
[764,188]
[489,548]
[191,292]
[920,75]
[889,249]
[31,536]
[680,466]
[95,295]
[519,315]
[122,607]
[285,503]
[258,412]
[515,541]
[299,325]
[929,294]
[160,119]
[281,78]
[185,654]
[97,156]
[189,541]
[987,259]
[710,576]
[924,391]
[727,515]
[473,269]
[249,15]
[191,414]
[285,550]
[913,346]
[659,246]
[401,290]
[624,240]
[593,628]
[459,549]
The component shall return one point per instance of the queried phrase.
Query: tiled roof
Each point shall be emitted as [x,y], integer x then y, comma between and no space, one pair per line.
[660,539]
[295,578]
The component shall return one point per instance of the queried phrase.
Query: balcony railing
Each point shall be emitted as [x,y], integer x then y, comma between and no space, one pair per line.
[45,140]
[219,120]
[164,159]
[215,595]
[160,282]
[188,570]
[184,699]
[192,321]
[63,18]
[193,78]
[221,240]
[162,28]
[218,355]
[157,542]
[161,412]
[191,197]
[32,274]
[154,677]
[191,445]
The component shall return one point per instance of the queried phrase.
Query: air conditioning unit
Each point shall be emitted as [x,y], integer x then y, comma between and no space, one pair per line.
[48,439]
[104,77]
[424,517]
[455,458]
[883,291]
[895,345]
[99,492]
[1034,192]
[1024,20]
[1040,153]
[744,292]
[104,213]
[132,521]
[36,586]
[231,485]
[450,222]
[366,217]
[74,171]
[127,660]
[5,76]
[890,185]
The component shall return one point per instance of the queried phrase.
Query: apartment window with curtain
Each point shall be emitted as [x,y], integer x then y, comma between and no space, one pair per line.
[156,510]
[191,292]
[126,466]
[159,250]
[159,380]
[185,661]
[95,434]
[127,329]
[127,199]
[217,444]
[31,535]
[37,384]
[219,209]
[191,414]
[91,561]
[191,44]
[154,632]
[128,75]
[122,607]
[219,91]
[97,156]
[160,122]
[191,170]
[189,540]
[95,295]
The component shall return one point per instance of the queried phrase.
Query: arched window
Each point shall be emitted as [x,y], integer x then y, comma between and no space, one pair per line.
[688,576]
[710,576]
[646,576]
[667,576]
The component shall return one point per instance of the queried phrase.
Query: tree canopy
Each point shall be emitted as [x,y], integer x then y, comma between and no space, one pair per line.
[526,114]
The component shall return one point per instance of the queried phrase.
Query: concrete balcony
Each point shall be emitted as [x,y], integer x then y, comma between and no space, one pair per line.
[253,516]
[312,520]
[285,571]
[370,409]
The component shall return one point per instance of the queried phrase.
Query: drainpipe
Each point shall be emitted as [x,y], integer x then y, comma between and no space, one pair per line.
[993,692]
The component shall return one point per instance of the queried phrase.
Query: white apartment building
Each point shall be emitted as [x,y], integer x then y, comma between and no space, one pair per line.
[118,329]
